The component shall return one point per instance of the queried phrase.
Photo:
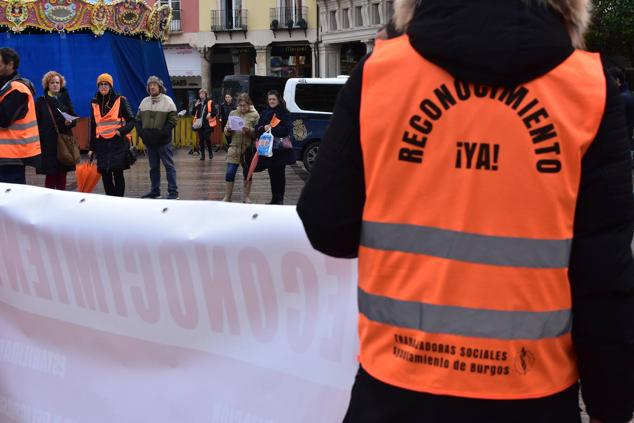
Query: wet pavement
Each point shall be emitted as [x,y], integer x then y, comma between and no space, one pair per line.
[197,179]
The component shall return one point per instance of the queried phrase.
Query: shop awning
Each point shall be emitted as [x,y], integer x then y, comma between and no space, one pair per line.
[183,61]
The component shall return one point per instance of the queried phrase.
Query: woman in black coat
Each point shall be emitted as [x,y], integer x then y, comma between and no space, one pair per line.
[277,118]
[111,152]
[47,108]
[205,132]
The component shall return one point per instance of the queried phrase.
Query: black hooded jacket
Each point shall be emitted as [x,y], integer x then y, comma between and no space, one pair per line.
[505,43]
[111,153]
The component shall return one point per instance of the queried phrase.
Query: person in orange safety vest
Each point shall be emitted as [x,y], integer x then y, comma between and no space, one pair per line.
[111,121]
[477,165]
[19,136]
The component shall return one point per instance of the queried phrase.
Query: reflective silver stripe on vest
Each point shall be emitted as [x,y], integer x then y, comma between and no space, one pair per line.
[108,122]
[482,249]
[20,126]
[20,141]
[473,322]
[108,131]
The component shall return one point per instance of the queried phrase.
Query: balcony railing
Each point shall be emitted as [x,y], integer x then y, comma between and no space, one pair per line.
[289,17]
[175,26]
[229,20]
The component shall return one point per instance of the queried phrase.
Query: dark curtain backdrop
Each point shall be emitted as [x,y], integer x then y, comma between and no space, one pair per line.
[82,57]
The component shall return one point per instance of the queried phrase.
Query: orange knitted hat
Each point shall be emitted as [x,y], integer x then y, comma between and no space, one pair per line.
[105,77]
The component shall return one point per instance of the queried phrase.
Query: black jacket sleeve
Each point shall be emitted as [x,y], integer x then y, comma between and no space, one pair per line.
[125,112]
[262,121]
[13,107]
[69,108]
[331,203]
[93,130]
[601,270]
[284,128]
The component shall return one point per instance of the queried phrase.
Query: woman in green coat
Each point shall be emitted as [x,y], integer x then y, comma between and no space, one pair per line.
[241,140]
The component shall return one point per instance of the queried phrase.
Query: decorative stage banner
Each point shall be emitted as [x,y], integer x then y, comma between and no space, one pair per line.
[127,17]
[128,310]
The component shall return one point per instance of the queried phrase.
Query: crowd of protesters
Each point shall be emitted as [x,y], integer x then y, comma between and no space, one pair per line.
[34,127]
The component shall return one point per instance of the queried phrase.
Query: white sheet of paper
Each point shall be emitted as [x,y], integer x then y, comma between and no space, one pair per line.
[68,117]
[236,123]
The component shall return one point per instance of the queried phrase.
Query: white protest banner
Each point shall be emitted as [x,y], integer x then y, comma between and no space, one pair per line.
[125,310]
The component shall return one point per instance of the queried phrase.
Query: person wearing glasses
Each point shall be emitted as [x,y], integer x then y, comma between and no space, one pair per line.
[111,121]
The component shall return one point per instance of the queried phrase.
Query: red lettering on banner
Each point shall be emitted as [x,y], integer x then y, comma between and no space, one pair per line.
[219,295]
[331,347]
[180,296]
[262,314]
[115,278]
[83,268]
[34,256]
[11,257]
[56,267]
[301,332]
[145,301]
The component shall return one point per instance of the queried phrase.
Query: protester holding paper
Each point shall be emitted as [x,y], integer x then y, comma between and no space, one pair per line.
[55,113]
[277,119]
[241,140]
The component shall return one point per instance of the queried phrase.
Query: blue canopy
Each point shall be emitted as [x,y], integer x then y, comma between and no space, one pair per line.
[82,57]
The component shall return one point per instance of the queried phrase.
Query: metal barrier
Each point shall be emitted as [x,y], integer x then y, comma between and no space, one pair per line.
[182,135]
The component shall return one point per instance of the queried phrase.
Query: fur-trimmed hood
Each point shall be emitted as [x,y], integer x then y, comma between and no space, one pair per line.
[493,42]
[575,13]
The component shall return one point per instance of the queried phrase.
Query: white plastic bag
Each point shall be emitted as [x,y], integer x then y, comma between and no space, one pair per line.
[265,144]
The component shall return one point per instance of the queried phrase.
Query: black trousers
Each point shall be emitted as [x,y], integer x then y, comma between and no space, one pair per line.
[205,141]
[13,174]
[114,182]
[277,174]
[373,401]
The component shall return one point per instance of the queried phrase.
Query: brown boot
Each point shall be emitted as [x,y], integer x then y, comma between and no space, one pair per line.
[228,192]
[247,192]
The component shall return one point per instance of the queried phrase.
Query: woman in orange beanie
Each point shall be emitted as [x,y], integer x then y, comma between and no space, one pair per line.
[111,121]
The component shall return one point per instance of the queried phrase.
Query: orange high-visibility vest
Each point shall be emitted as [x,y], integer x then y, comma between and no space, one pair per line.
[468,224]
[212,120]
[22,138]
[108,124]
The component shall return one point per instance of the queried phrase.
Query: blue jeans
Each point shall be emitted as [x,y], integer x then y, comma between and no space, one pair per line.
[164,154]
[232,169]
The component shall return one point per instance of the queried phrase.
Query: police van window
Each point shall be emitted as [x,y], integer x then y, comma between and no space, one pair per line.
[317,97]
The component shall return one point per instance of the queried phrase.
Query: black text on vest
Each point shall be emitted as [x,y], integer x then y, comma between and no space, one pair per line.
[480,156]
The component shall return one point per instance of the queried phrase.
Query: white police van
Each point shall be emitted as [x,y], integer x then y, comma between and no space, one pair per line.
[311,102]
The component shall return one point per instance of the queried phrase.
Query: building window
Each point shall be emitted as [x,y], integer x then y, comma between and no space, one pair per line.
[390,10]
[291,61]
[233,14]
[358,16]
[375,16]
[345,21]
[350,54]
[333,20]
[292,10]
[175,26]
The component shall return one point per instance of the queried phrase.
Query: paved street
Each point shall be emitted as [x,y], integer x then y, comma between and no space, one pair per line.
[197,180]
